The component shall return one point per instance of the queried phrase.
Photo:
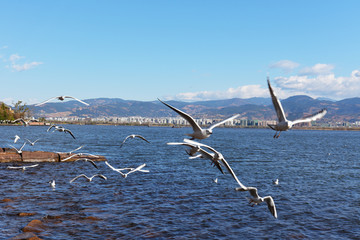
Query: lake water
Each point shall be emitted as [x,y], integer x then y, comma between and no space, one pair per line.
[318,196]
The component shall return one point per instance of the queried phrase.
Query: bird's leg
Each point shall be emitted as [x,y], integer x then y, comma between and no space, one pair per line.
[278,135]
[275,134]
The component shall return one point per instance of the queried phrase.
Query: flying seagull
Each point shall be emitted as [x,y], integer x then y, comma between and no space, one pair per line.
[198,133]
[276,181]
[284,124]
[79,154]
[257,199]
[22,167]
[87,160]
[19,151]
[16,138]
[215,157]
[133,136]
[130,170]
[61,98]
[194,149]
[26,123]
[32,143]
[61,129]
[89,179]
[73,150]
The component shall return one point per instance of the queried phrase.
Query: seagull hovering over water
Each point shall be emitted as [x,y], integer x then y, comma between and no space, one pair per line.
[26,123]
[276,181]
[198,133]
[61,129]
[134,136]
[19,151]
[89,179]
[32,143]
[130,170]
[61,98]
[22,167]
[194,149]
[52,184]
[284,124]
[73,150]
[257,199]
[87,160]
[16,138]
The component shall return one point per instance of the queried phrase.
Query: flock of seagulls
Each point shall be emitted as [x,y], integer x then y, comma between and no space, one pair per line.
[194,149]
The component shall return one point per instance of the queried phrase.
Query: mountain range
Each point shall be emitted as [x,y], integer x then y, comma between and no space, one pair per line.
[251,108]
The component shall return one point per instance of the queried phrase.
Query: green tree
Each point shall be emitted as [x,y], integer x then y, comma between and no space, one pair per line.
[20,110]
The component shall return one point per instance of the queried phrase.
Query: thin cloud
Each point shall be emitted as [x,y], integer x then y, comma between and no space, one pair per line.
[247,91]
[25,66]
[285,65]
[317,69]
[14,57]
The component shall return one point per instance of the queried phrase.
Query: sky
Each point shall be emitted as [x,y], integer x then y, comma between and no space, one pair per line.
[178,50]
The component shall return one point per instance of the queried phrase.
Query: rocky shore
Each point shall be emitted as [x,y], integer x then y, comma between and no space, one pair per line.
[10,155]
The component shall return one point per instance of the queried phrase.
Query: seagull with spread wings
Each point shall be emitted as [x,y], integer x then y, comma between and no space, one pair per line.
[26,123]
[89,179]
[134,136]
[284,124]
[61,98]
[23,168]
[61,129]
[198,133]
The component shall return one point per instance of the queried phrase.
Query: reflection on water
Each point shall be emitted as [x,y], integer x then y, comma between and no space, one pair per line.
[318,195]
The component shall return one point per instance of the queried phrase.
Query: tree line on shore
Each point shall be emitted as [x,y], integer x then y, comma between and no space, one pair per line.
[20,110]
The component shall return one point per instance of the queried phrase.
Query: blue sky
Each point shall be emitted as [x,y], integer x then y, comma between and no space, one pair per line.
[183,50]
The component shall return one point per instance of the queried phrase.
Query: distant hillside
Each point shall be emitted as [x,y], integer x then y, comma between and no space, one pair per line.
[252,108]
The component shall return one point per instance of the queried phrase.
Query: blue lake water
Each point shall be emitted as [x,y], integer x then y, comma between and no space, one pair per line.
[318,195]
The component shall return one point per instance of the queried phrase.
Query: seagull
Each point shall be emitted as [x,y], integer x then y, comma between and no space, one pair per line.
[19,151]
[131,170]
[198,133]
[79,154]
[61,98]
[32,143]
[22,167]
[87,160]
[193,148]
[89,179]
[215,180]
[134,136]
[61,129]
[276,181]
[284,124]
[52,183]
[16,138]
[257,199]
[73,150]
[26,123]
[215,157]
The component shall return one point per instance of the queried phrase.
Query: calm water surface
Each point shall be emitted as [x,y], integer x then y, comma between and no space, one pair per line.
[318,195]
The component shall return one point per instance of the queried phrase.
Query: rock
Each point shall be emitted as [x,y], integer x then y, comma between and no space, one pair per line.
[40,156]
[10,157]
[26,236]
[34,226]
[24,214]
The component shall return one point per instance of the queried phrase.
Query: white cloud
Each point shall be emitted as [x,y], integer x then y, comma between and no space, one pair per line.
[323,85]
[247,91]
[285,65]
[14,57]
[25,66]
[317,69]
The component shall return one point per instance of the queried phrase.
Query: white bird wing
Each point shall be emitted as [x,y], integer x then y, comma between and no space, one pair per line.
[69,157]
[224,121]
[88,160]
[201,145]
[313,117]
[13,167]
[271,205]
[13,147]
[277,104]
[81,175]
[77,149]
[51,127]
[39,104]
[125,140]
[115,169]
[186,116]
[35,165]
[77,100]
[253,191]
[226,164]
[22,146]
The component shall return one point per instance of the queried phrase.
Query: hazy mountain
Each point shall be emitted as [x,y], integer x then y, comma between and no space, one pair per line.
[252,108]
